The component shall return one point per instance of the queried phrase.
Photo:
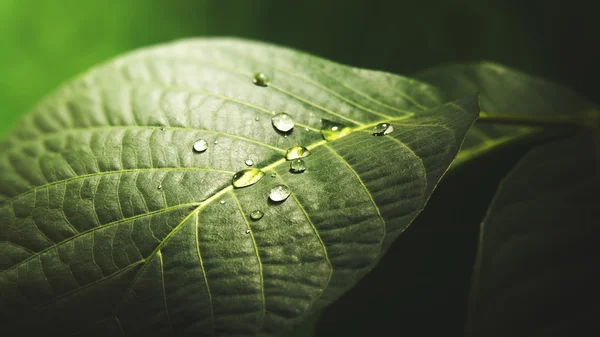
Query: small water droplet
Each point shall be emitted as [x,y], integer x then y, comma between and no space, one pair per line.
[279,193]
[222,202]
[260,79]
[256,215]
[257,118]
[298,166]
[200,145]
[216,142]
[249,162]
[273,175]
[247,231]
[295,152]
[283,122]
[247,177]
[159,187]
[163,128]
[382,129]
[331,130]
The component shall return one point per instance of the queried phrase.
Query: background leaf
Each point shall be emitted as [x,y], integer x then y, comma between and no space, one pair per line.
[427,272]
[536,272]
[508,93]
[112,224]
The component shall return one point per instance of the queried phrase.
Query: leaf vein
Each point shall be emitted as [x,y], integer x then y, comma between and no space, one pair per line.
[260,265]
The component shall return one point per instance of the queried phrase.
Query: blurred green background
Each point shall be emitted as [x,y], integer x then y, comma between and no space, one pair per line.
[46,42]
[420,287]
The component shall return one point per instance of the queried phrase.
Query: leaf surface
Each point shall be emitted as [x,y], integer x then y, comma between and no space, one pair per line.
[112,225]
[536,271]
[505,94]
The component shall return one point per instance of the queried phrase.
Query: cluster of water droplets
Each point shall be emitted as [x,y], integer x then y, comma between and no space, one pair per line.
[283,123]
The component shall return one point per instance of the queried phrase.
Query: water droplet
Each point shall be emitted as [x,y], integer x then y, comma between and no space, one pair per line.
[216,142]
[200,145]
[257,118]
[295,152]
[298,166]
[247,231]
[382,129]
[256,215]
[279,193]
[249,162]
[331,130]
[273,175]
[163,128]
[247,177]
[222,202]
[283,122]
[159,187]
[260,79]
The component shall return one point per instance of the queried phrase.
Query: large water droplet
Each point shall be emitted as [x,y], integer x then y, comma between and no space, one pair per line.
[298,166]
[382,129]
[247,177]
[260,79]
[249,162]
[283,122]
[295,152]
[279,193]
[256,215]
[331,130]
[200,145]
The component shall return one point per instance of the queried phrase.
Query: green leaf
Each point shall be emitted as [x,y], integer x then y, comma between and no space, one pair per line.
[113,225]
[507,96]
[536,271]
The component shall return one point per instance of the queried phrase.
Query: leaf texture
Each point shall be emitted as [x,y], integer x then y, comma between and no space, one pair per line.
[111,225]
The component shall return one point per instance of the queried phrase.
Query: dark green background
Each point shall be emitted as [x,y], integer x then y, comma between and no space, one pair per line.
[45,42]
[420,288]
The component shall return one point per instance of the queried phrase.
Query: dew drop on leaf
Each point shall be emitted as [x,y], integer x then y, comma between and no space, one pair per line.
[257,118]
[159,187]
[249,162]
[216,142]
[200,145]
[331,130]
[273,175]
[163,128]
[247,231]
[283,122]
[247,177]
[382,129]
[279,193]
[260,79]
[295,152]
[256,215]
[222,202]
[298,166]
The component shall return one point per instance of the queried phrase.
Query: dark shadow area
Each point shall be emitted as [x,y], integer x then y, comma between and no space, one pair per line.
[420,287]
